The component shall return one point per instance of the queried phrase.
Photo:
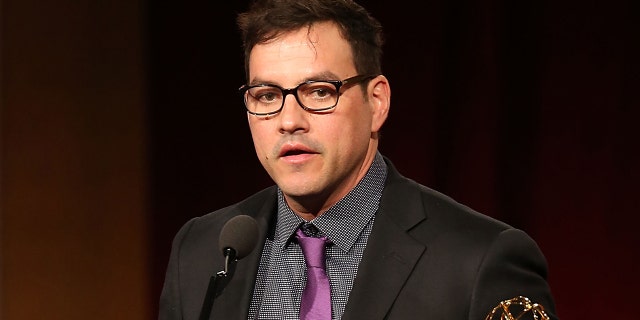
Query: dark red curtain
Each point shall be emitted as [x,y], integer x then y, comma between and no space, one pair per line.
[523,110]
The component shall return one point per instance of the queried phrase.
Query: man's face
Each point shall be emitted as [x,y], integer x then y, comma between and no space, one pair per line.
[315,158]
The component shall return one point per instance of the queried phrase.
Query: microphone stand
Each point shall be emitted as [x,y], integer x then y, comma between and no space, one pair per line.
[217,283]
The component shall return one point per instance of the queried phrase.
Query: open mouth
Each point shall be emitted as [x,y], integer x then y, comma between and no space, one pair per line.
[294,152]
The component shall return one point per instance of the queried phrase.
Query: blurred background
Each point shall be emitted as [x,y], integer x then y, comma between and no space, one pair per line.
[120,120]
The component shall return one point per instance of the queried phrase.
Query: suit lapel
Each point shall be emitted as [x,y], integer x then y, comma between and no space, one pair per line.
[391,252]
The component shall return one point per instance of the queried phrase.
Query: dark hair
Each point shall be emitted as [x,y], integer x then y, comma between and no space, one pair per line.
[267,19]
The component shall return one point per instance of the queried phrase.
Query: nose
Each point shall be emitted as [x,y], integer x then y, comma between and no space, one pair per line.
[293,118]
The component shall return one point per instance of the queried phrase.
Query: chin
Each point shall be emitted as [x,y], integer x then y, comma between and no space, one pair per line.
[298,189]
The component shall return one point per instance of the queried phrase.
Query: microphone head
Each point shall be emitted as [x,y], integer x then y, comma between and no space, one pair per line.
[240,233]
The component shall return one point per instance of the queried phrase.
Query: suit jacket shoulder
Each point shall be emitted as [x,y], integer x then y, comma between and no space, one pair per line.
[196,257]
[429,256]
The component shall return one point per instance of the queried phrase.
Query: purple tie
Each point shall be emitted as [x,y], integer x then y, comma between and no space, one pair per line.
[316,298]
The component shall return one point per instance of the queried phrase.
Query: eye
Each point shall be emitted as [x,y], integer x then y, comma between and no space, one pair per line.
[318,90]
[322,92]
[266,94]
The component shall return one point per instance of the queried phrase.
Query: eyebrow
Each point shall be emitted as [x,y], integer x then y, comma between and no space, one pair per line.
[326,75]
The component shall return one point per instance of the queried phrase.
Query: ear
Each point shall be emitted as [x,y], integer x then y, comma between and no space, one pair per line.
[380,100]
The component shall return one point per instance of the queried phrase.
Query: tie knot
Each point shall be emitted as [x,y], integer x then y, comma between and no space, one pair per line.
[312,248]
[310,230]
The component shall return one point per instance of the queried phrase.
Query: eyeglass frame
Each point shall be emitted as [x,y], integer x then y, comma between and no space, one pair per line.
[294,91]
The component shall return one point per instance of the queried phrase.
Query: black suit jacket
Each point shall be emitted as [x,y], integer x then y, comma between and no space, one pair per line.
[428,257]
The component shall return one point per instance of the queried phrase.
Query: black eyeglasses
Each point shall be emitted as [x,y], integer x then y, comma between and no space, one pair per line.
[312,95]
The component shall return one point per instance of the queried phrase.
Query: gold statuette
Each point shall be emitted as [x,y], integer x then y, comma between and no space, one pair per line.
[521,306]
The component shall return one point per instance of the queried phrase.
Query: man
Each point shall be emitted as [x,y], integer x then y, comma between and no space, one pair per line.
[316,101]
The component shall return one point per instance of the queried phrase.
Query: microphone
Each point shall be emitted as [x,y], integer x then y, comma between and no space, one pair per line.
[237,239]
